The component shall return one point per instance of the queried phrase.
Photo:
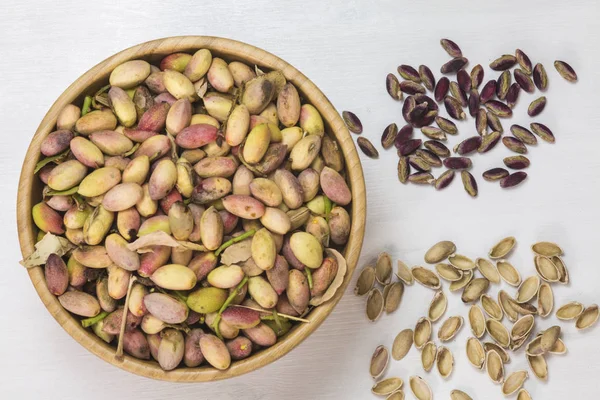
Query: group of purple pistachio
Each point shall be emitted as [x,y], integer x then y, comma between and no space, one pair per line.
[487,106]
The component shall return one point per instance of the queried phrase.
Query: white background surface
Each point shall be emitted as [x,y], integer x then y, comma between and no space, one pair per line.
[346,48]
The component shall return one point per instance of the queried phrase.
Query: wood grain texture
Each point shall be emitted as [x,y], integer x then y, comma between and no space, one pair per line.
[30,193]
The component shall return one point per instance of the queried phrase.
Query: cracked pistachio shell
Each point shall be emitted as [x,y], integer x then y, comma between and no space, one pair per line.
[420,388]
[477,321]
[450,328]
[365,281]
[375,304]
[383,269]
[445,362]
[379,361]
[437,307]
[588,317]
[502,248]
[439,252]
[426,277]
[422,332]
[474,289]
[387,386]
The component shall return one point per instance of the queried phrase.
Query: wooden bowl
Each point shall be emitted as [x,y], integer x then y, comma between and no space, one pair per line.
[30,189]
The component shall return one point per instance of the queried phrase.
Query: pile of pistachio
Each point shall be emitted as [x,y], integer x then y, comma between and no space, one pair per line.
[534,297]
[468,94]
[190,210]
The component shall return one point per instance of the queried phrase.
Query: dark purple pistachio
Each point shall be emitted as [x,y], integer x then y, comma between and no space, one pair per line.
[403,169]
[468,146]
[433,133]
[429,156]
[352,122]
[389,136]
[523,134]
[540,78]
[476,76]
[513,94]
[408,106]
[536,106]
[524,61]
[444,180]
[459,94]
[503,84]
[441,88]
[367,147]
[392,86]
[446,125]
[418,163]
[514,144]
[495,174]
[453,108]
[427,77]
[469,183]
[411,87]
[481,121]
[524,80]
[457,163]
[421,178]
[474,102]
[516,162]
[409,146]
[494,122]
[464,80]
[425,120]
[403,135]
[565,70]
[502,63]
[498,108]
[489,141]
[488,91]
[454,65]
[418,112]
[451,48]
[513,179]
[423,98]
[437,148]
[409,73]
[542,131]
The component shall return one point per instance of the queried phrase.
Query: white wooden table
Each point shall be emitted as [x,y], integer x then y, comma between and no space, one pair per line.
[347,48]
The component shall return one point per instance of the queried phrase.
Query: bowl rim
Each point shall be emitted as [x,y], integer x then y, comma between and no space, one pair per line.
[234,50]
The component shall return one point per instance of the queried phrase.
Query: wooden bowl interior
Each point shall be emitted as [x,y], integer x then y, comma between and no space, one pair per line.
[30,189]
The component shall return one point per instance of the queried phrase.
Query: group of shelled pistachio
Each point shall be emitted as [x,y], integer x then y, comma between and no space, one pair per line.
[459,272]
[202,197]
[421,111]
